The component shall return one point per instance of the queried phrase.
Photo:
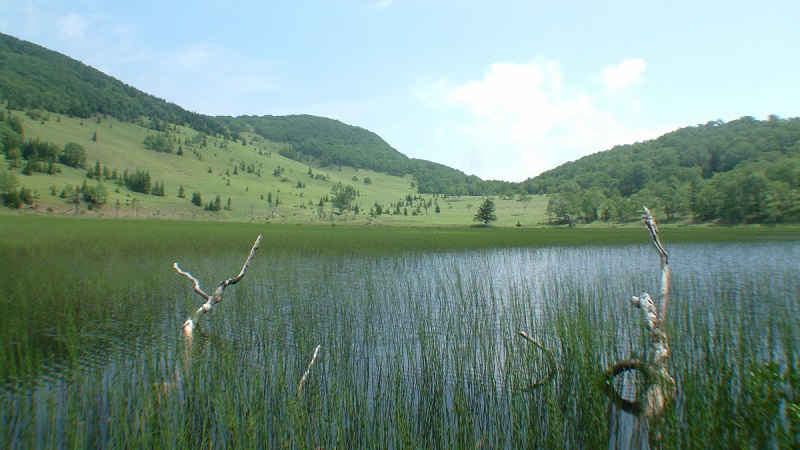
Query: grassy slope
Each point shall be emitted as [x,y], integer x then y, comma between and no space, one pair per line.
[119,145]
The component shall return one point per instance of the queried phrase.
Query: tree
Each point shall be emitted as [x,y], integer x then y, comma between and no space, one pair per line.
[556,209]
[139,181]
[95,195]
[525,199]
[8,192]
[8,182]
[342,200]
[12,200]
[197,199]
[485,212]
[343,197]
[672,196]
[73,155]
[159,143]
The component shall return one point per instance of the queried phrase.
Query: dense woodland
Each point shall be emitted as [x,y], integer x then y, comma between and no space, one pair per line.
[743,171]
[32,77]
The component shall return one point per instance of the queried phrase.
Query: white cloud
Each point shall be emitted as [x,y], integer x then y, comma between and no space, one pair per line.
[382,4]
[624,74]
[209,79]
[521,119]
[72,26]
[198,57]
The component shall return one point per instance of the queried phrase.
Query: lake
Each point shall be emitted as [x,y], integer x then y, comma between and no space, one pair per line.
[417,348]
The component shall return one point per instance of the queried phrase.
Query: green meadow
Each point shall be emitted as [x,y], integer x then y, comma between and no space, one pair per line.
[417,328]
[250,175]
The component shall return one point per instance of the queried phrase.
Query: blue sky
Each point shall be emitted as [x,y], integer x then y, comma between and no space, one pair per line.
[502,89]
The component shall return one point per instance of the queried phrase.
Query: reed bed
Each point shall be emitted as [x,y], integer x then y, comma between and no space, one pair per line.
[419,348]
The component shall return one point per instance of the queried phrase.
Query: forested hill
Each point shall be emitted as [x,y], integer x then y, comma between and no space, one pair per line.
[742,171]
[330,142]
[33,77]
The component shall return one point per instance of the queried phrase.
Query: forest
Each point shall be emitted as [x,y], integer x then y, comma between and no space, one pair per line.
[34,77]
[742,171]
[739,172]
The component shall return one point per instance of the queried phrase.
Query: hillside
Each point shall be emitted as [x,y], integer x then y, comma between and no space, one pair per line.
[71,133]
[241,181]
[742,171]
[34,78]
[329,142]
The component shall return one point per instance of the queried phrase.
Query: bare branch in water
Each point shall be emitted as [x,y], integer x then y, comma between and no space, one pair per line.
[550,359]
[195,280]
[216,297]
[658,382]
[308,370]
[650,222]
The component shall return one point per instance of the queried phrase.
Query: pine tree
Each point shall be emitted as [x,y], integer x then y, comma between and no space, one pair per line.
[485,212]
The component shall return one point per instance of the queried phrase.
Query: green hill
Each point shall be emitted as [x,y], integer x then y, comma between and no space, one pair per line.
[261,184]
[330,143]
[743,171]
[34,78]
[71,133]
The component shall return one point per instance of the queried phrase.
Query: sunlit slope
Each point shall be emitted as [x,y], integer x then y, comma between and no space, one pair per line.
[250,174]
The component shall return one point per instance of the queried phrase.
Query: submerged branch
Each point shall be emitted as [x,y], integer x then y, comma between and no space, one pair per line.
[216,297]
[193,279]
[550,359]
[658,383]
[308,370]
[650,222]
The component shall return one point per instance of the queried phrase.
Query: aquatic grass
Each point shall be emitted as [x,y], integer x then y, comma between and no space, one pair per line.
[419,349]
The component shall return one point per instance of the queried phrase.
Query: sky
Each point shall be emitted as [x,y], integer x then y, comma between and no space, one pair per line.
[503,90]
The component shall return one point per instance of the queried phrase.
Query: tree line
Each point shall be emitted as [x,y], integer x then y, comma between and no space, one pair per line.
[32,77]
[742,171]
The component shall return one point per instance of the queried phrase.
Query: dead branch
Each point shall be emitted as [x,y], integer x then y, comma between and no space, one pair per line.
[216,297]
[665,272]
[658,382]
[550,360]
[308,370]
[656,318]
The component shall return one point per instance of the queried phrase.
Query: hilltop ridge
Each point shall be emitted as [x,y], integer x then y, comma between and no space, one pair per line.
[742,171]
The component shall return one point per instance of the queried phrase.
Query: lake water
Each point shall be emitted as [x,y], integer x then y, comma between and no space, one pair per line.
[417,349]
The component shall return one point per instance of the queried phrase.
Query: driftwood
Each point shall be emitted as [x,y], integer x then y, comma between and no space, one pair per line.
[569,220]
[308,370]
[550,359]
[216,297]
[658,387]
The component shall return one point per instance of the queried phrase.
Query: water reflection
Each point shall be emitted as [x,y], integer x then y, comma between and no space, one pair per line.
[428,333]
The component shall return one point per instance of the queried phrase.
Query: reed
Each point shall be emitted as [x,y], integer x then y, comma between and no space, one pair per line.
[419,348]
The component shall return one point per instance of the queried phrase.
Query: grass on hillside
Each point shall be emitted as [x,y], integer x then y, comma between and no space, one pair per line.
[216,170]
